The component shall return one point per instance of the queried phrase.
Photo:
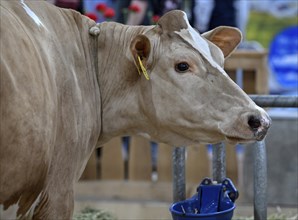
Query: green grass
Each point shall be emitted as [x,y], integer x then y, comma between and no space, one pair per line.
[262,27]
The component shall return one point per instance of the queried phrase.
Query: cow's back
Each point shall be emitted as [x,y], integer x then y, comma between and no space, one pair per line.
[47,99]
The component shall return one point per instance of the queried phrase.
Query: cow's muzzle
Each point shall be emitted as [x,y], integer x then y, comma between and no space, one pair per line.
[259,125]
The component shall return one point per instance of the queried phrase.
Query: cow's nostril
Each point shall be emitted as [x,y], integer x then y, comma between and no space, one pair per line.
[254,122]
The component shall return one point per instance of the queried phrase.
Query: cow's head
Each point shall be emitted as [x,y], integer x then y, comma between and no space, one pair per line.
[189,97]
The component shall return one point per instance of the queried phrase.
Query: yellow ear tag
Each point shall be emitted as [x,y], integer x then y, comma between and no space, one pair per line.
[143,68]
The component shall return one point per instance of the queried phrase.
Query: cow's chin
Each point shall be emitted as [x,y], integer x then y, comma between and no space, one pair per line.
[238,140]
[244,136]
[181,140]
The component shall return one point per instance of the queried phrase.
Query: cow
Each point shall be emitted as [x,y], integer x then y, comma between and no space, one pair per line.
[69,85]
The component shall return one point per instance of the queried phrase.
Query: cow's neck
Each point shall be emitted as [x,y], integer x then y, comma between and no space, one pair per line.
[118,79]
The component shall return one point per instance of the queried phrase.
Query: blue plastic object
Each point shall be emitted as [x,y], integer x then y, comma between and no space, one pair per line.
[211,202]
[283,59]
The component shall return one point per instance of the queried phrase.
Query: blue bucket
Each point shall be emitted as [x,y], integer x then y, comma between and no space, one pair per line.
[211,202]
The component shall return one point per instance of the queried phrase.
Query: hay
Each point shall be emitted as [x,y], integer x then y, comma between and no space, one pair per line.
[93,214]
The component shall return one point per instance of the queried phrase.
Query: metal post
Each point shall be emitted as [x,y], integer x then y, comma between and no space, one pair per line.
[219,162]
[178,164]
[275,100]
[260,181]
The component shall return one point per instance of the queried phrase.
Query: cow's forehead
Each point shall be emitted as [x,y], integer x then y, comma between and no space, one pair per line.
[192,37]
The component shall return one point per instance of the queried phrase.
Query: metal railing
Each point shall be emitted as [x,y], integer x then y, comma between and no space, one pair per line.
[219,160]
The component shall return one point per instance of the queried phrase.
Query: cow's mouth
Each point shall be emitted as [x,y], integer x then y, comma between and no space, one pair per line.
[261,135]
[238,140]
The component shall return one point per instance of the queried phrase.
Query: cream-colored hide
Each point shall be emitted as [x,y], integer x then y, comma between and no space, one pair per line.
[69,85]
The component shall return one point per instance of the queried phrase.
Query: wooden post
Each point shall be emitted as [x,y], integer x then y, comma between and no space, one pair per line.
[231,163]
[197,164]
[112,163]
[140,164]
[164,163]
[254,66]
[90,172]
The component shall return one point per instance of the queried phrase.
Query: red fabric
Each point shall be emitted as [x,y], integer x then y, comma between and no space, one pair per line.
[134,8]
[155,18]
[91,16]
[101,7]
[109,13]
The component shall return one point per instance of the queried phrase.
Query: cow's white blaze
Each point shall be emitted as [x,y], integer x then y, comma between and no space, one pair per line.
[32,15]
[198,39]
[199,43]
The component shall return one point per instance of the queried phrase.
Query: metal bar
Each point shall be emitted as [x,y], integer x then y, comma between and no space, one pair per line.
[219,162]
[178,163]
[260,181]
[275,100]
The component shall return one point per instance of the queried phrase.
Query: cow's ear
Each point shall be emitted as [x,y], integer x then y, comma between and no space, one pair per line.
[140,48]
[226,38]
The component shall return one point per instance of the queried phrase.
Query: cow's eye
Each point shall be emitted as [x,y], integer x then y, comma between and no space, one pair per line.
[182,67]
